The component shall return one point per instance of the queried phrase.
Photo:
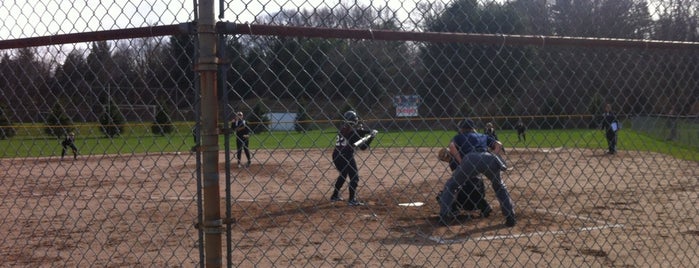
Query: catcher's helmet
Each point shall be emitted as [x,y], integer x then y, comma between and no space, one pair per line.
[351,117]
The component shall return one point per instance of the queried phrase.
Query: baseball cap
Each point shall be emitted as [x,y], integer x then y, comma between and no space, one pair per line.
[467,124]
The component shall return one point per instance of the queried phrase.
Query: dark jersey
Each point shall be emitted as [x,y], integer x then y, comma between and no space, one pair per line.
[346,137]
[520,128]
[608,119]
[241,128]
[68,141]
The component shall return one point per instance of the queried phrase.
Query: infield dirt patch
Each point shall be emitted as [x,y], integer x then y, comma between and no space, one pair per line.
[575,207]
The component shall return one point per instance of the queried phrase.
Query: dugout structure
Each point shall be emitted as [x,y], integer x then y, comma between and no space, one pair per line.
[684,129]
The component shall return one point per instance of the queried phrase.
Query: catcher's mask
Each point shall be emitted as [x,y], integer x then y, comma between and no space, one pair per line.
[351,117]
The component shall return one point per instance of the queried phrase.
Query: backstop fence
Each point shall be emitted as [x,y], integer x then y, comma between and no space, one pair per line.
[119,145]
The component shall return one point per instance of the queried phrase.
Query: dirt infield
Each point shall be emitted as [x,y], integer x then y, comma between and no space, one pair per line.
[575,208]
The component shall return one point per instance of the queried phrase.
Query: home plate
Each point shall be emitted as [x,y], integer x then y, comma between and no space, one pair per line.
[413,204]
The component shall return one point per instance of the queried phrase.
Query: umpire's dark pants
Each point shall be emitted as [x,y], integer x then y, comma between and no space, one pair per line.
[611,140]
[471,165]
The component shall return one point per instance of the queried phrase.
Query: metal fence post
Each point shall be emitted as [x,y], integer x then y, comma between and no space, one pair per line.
[207,68]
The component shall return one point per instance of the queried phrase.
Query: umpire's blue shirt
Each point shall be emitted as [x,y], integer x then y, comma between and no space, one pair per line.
[473,142]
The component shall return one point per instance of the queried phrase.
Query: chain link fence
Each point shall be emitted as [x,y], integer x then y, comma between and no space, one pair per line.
[118,146]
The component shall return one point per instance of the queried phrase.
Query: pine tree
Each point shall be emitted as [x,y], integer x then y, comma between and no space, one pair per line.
[258,119]
[163,124]
[58,123]
[112,121]
[6,129]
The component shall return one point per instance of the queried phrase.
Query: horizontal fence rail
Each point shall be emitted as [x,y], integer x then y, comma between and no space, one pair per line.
[437,37]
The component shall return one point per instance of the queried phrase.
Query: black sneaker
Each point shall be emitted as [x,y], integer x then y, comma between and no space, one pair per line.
[336,198]
[510,221]
[355,202]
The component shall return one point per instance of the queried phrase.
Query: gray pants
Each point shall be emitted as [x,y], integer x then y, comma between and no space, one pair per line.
[471,165]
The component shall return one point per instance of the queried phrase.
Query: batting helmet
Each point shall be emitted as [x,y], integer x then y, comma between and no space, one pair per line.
[351,117]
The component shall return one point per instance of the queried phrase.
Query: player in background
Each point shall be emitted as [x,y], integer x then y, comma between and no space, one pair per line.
[521,131]
[242,138]
[69,142]
[611,126]
[490,130]
[348,134]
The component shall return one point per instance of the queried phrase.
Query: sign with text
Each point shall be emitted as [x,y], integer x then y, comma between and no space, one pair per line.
[406,105]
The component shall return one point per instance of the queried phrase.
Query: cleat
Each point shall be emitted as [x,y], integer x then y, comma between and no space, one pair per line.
[354,203]
[336,198]
[510,221]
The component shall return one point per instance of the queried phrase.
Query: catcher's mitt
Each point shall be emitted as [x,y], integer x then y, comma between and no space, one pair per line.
[444,155]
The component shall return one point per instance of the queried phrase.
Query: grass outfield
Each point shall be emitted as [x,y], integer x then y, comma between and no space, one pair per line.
[32,142]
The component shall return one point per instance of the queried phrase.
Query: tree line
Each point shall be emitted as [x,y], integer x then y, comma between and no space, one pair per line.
[330,74]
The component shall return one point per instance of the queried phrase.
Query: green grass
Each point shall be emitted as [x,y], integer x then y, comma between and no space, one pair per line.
[32,142]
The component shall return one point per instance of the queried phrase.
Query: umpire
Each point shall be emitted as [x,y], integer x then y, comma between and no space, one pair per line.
[611,125]
[476,160]
[471,193]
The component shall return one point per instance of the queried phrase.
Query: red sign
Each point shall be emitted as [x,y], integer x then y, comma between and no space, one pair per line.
[406,110]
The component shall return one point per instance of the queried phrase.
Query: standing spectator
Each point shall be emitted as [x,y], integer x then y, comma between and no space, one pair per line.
[69,142]
[611,126]
[521,129]
[349,133]
[242,138]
